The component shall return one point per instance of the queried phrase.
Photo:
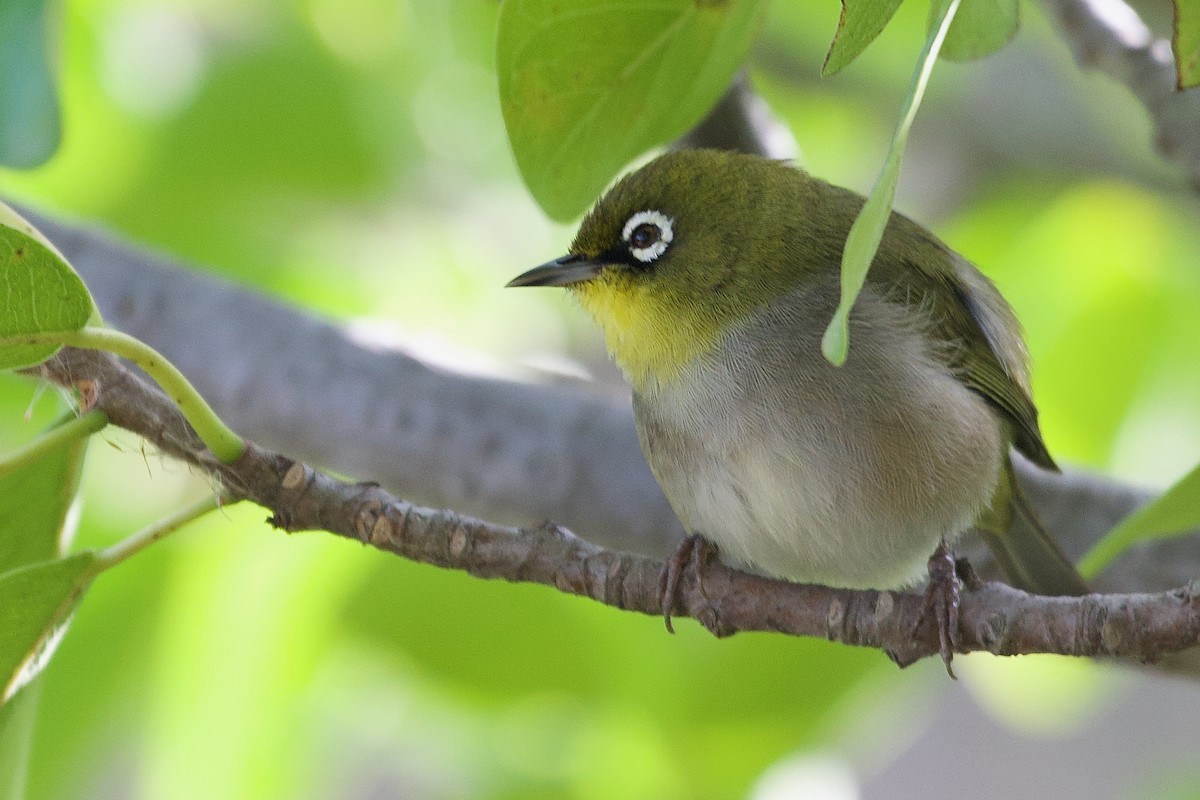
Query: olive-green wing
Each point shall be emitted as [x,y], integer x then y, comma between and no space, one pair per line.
[993,367]
[984,345]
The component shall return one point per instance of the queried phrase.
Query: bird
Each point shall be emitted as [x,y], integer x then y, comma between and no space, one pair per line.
[712,276]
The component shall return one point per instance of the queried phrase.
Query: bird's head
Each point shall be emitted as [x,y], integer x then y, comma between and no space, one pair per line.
[678,251]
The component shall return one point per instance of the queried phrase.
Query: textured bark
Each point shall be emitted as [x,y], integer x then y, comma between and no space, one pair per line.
[1108,35]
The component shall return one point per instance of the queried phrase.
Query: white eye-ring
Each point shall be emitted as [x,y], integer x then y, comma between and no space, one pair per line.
[648,234]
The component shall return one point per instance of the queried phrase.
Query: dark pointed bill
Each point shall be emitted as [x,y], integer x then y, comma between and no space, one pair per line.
[563,271]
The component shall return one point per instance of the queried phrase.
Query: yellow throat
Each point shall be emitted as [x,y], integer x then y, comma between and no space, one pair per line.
[652,338]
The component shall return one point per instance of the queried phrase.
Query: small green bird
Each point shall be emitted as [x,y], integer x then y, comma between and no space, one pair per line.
[713,276]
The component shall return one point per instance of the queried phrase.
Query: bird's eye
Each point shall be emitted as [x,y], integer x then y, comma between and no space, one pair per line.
[648,234]
[644,235]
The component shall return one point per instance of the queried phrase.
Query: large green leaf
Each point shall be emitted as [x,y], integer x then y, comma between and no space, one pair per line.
[981,27]
[41,294]
[587,85]
[1174,513]
[1186,42]
[29,117]
[35,602]
[860,23]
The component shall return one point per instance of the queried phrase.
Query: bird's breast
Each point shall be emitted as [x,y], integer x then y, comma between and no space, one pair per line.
[841,475]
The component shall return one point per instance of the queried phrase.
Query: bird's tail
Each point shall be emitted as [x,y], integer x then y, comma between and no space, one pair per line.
[1029,555]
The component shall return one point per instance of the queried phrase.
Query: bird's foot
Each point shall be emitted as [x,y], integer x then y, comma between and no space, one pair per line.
[947,576]
[695,551]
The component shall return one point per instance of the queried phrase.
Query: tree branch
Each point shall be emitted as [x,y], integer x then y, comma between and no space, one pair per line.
[993,617]
[1109,36]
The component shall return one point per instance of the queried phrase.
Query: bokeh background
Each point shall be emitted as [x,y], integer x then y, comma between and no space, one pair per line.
[349,156]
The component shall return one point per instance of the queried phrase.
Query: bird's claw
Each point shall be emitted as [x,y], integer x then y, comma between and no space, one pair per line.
[942,597]
[695,551]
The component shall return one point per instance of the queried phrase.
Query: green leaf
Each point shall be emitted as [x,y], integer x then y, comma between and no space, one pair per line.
[860,23]
[588,85]
[17,718]
[981,27]
[867,230]
[1175,512]
[29,118]
[35,499]
[41,294]
[1186,42]
[35,603]
[36,496]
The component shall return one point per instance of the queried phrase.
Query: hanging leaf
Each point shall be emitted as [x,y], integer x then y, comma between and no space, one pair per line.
[36,495]
[860,23]
[867,231]
[35,602]
[981,27]
[35,499]
[1186,43]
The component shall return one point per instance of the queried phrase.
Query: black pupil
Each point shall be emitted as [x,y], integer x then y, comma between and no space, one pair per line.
[644,235]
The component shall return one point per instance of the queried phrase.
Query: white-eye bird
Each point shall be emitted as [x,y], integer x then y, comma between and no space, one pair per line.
[713,276]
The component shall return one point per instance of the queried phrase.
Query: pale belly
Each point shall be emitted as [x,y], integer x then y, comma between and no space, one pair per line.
[842,476]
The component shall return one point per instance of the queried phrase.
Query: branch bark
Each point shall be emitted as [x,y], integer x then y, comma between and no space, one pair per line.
[993,617]
[1109,36]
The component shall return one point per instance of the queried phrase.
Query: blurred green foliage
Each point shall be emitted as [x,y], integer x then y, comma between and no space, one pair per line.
[349,155]
[1186,42]
[30,125]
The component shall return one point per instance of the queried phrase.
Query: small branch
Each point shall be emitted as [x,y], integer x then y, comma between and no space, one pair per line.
[1109,36]
[156,531]
[74,428]
[993,617]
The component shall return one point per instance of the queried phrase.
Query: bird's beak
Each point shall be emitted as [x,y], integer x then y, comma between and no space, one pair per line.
[563,271]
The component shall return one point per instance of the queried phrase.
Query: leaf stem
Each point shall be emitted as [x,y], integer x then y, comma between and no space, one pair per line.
[226,445]
[72,429]
[133,544]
